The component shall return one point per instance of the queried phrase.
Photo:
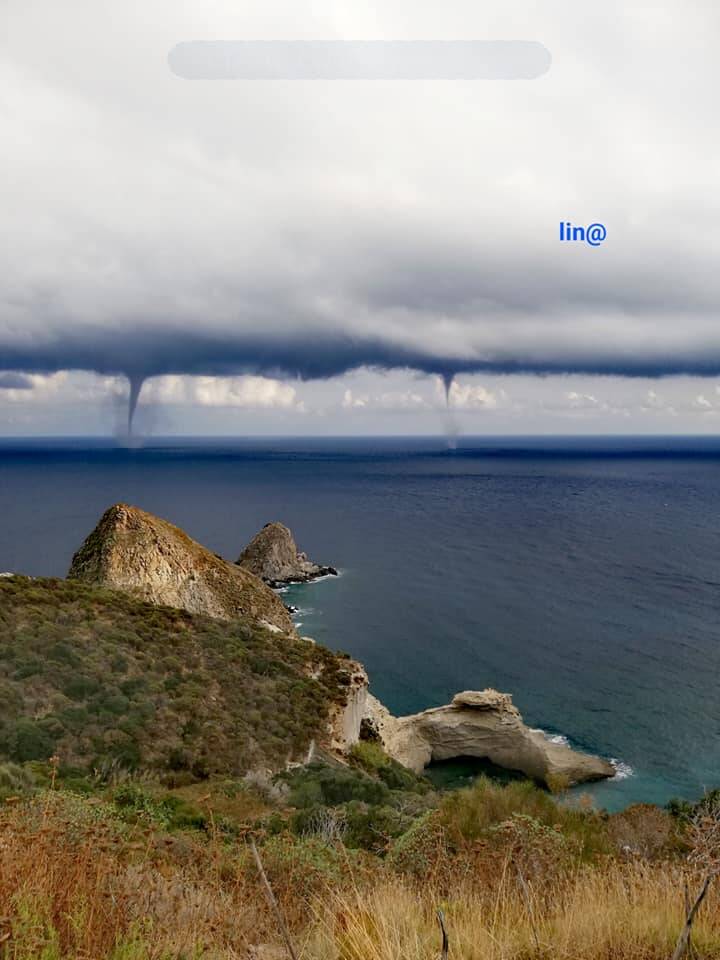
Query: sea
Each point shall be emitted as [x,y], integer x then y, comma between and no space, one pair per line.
[581,575]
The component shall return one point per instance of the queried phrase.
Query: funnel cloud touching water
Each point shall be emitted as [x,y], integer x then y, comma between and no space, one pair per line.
[300,231]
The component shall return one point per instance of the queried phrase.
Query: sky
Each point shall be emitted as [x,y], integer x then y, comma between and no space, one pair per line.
[328,256]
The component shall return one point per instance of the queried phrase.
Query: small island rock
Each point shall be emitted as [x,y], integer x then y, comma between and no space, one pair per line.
[273,556]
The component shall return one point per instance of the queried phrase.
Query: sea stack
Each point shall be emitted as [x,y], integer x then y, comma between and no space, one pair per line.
[142,554]
[273,556]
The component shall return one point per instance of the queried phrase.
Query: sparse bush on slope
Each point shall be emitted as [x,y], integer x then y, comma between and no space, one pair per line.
[366,806]
[108,682]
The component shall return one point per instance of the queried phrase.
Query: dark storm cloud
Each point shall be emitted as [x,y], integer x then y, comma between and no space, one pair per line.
[15,381]
[390,300]
[302,231]
[144,352]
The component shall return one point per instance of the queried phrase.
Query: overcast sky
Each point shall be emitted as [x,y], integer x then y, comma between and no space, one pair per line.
[314,256]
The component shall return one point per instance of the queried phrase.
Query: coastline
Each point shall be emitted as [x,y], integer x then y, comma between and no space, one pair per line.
[569,615]
[405,746]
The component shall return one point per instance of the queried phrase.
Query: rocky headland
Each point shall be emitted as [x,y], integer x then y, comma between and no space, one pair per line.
[273,556]
[137,552]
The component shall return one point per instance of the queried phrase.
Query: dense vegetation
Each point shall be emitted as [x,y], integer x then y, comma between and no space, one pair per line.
[107,682]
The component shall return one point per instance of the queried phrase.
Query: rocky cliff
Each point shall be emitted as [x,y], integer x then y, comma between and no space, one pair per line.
[273,556]
[483,724]
[140,553]
[346,719]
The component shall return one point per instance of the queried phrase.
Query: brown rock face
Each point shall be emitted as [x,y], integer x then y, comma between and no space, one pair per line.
[144,555]
[273,556]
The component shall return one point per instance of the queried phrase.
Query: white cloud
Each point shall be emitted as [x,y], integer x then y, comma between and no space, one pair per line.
[401,400]
[66,387]
[396,400]
[653,401]
[365,402]
[581,400]
[349,400]
[251,392]
[466,396]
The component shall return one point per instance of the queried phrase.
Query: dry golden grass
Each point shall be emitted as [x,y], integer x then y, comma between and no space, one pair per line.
[619,912]
[75,884]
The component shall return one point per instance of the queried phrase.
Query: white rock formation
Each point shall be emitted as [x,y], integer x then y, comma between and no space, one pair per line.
[483,724]
[345,721]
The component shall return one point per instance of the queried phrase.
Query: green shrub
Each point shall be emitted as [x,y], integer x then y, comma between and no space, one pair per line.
[471,814]
[320,783]
[686,809]
[26,739]
[373,828]
[79,687]
[136,804]
[370,756]
[15,781]
[308,863]
[359,825]
[416,851]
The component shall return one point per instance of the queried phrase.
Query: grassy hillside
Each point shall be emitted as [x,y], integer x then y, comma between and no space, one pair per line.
[125,731]
[120,876]
[106,681]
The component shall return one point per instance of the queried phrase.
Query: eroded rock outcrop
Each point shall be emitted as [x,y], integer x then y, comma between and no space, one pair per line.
[273,556]
[346,720]
[483,724]
[140,553]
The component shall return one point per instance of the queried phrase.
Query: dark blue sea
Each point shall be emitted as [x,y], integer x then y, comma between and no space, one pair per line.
[582,576]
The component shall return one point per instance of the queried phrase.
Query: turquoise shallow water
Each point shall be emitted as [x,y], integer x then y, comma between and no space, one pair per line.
[581,576]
